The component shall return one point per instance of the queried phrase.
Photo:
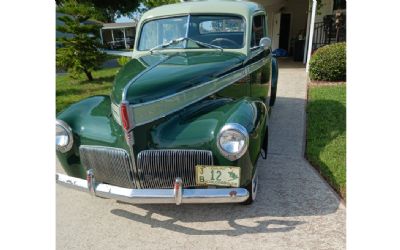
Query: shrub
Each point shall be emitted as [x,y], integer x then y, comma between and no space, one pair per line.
[123,60]
[328,63]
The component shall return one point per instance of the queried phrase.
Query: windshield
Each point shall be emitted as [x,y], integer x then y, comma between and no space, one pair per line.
[223,31]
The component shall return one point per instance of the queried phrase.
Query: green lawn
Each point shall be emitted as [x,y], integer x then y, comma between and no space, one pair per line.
[326,133]
[110,57]
[70,90]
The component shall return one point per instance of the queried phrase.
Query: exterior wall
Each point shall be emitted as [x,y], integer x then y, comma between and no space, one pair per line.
[298,10]
[326,9]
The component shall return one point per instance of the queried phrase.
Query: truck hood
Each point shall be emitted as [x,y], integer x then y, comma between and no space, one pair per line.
[155,76]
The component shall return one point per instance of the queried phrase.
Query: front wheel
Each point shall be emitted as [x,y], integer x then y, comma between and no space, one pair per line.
[274,81]
[252,188]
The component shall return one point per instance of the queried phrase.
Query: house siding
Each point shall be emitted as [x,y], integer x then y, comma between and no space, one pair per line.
[326,9]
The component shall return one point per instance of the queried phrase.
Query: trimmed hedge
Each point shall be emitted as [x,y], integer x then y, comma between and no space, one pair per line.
[328,63]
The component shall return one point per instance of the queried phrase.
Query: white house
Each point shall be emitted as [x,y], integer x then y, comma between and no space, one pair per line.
[292,23]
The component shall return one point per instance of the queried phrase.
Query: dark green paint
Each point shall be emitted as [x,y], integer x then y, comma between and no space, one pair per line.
[194,127]
[159,75]
[92,124]
[198,126]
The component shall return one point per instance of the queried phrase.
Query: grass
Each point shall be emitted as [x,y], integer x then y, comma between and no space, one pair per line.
[326,134]
[110,57]
[69,91]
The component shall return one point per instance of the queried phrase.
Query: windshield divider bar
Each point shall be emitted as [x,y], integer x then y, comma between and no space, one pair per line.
[187,31]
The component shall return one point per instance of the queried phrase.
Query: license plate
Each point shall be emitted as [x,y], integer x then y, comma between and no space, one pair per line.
[218,176]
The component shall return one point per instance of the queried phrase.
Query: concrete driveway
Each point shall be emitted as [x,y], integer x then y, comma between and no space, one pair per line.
[295,208]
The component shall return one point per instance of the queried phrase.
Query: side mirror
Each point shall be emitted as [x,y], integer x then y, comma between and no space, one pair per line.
[265,42]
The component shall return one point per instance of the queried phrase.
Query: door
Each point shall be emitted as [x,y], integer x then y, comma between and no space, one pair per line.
[284,31]
[276,26]
[260,79]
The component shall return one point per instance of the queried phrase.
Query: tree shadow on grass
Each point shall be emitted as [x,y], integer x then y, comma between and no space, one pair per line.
[100,80]
[81,90]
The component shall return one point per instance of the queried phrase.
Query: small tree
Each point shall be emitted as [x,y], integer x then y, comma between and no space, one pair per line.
[109,10]
[80,52]
[149,4]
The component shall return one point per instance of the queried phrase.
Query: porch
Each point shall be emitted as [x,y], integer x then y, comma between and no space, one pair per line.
[291,23]
[118,35]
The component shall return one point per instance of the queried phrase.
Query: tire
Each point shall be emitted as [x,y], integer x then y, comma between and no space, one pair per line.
[264,146]
[274,81]
[252,189]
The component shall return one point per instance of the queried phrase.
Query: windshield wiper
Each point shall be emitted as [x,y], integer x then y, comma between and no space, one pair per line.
[181,39]
[207,45]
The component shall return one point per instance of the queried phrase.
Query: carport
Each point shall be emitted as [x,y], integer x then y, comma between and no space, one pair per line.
[118,34]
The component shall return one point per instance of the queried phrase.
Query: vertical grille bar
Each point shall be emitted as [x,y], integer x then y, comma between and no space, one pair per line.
[110,165]
[159,168]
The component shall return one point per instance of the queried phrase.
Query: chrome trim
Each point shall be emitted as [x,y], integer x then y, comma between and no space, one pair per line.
[115,110]
[157,196]
[109,165]
[150,111]
[239,128]
[91,182]
[178,191]
[159,168]
[68,129]
[187,30]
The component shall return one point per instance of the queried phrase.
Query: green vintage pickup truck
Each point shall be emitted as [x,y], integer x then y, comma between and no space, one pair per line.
[187,117]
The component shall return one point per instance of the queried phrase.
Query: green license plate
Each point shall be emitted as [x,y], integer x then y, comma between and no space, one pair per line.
[218,176]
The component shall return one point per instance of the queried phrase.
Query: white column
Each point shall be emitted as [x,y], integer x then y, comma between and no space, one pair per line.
[125,38]
[112,35]
[307,35]
[101,36]
[311,36]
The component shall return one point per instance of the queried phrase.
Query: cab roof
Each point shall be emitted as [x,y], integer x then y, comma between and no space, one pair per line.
[243,8]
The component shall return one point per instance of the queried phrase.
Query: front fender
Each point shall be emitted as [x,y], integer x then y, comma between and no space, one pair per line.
[198,126]
[92,124]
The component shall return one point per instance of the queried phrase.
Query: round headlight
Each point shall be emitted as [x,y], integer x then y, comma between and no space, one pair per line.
[64,138]
[232,141]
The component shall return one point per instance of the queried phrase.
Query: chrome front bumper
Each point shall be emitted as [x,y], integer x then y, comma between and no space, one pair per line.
[176,196]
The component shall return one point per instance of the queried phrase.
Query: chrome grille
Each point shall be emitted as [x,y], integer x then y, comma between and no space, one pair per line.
[110,165]
[159,168]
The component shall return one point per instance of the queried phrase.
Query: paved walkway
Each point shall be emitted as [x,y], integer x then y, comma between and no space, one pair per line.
[295,208]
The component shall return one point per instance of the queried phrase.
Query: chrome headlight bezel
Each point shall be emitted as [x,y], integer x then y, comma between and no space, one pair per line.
[237,128]
[68,131]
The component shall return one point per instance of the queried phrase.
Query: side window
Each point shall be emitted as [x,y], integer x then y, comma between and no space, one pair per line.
[258,30]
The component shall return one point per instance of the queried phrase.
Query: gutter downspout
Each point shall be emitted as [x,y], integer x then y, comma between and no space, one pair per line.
[310,38]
